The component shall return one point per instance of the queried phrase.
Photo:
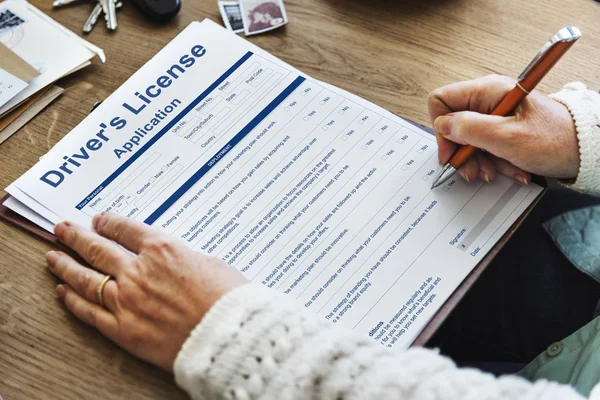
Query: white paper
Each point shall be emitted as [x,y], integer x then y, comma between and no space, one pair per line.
[55,50]
[304,187]
[33,205]
[10,86]
[20,208]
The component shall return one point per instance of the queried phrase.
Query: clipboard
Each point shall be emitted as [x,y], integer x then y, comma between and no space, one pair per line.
[438,319]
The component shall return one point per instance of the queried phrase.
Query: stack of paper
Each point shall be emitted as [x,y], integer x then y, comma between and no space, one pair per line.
[35,51]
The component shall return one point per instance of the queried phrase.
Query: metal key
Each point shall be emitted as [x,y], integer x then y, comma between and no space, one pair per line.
[93,18]
[61,3]
[110,13]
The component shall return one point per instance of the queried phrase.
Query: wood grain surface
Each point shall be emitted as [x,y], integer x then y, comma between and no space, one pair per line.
[390,52]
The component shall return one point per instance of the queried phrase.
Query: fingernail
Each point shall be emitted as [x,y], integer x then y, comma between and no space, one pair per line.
[60,229]
[51,257]
[61,290]
[486,178]
[467,178]
[95,221]
[442,124]
[523,179]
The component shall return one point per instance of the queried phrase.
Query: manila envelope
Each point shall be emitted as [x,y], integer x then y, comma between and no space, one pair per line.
[15,65]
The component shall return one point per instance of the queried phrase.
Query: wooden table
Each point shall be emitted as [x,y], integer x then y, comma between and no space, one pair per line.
[390,52]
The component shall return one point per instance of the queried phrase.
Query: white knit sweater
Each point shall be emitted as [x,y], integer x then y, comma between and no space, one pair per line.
[256,344]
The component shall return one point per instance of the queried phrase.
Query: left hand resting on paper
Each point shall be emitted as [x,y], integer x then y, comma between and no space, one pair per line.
[159,292]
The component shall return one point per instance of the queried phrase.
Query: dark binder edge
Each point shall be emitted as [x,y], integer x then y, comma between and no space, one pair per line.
[450,304]
[440,316]
[19,221]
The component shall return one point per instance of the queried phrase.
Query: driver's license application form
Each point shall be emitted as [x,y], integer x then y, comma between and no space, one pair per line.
[304,187]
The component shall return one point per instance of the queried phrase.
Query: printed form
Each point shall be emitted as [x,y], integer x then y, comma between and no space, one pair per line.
[305,188]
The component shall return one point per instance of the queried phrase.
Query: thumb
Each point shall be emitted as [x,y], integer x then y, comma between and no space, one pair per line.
[490,132]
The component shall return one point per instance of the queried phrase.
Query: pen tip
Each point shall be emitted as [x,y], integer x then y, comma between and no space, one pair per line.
[445,173]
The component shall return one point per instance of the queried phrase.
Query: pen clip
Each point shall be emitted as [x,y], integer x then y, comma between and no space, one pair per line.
[567,34]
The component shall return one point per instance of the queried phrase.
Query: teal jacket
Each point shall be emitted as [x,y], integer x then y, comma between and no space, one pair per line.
[576,359]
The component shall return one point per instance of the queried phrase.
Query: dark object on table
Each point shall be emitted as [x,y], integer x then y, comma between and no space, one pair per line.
[159,10]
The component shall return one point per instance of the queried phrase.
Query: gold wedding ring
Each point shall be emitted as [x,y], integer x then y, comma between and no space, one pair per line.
[101,289]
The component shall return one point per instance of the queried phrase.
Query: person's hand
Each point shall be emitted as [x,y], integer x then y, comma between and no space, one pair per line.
[539,138]
[160,291]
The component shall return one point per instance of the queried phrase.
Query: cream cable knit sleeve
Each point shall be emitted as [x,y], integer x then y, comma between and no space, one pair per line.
[256,344]
[584,106]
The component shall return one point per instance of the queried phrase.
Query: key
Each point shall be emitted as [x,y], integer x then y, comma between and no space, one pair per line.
[111,22]
[93,18]
[110,13]
[60,3]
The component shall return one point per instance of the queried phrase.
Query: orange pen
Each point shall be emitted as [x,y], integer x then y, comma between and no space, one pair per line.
[543,62]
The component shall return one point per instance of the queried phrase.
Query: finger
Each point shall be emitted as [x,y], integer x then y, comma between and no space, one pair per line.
[445,148]
[84,281]
[507,169]
[470,170]
[99,252]
[90,313]
[128,232]
[487,169]
[481,95]
[494,133]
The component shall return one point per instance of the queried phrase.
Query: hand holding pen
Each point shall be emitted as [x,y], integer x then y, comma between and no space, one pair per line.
[539,137]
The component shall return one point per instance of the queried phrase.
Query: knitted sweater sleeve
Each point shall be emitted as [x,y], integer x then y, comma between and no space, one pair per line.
[256,344]
[584,106]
